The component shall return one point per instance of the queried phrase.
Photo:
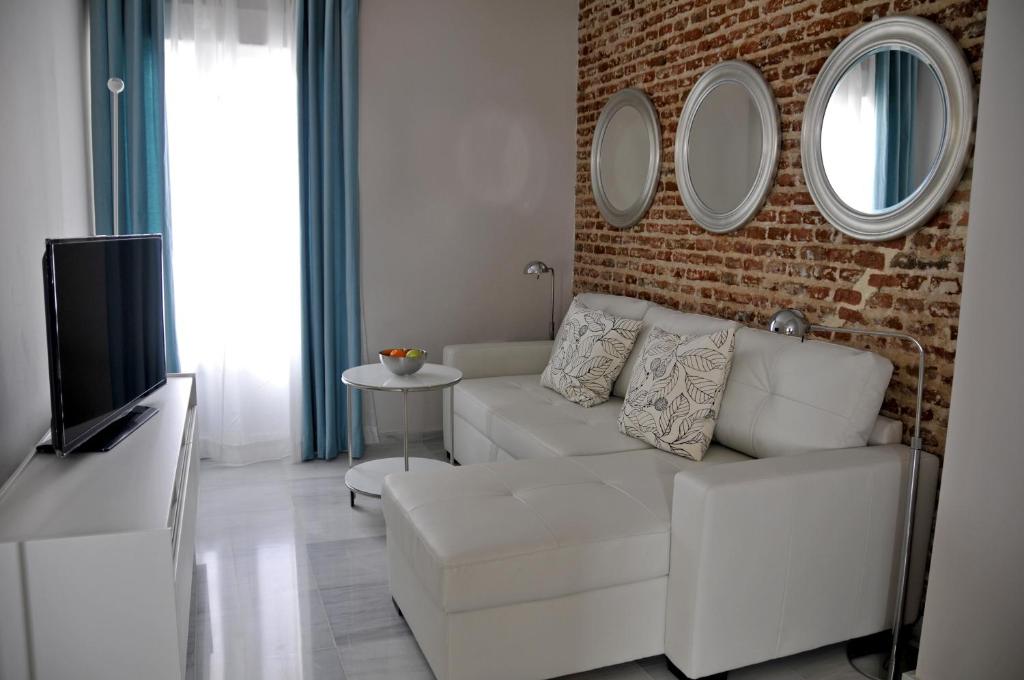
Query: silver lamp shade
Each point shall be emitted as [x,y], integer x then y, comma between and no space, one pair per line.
[789,322]
[536,268]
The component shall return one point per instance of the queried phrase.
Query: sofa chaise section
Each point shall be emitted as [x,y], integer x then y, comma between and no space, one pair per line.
[571,546]
[528,569]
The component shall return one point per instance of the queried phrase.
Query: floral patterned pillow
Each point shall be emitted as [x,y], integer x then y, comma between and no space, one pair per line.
[591,348]
[676,390]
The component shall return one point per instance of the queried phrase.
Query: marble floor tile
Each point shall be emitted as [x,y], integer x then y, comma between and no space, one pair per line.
[321,664]
[625,671]
[362,613]
[291,584]
[350,562]
[384,658]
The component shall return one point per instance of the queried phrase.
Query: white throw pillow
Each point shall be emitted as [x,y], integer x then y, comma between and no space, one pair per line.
[591,348]
[676,390]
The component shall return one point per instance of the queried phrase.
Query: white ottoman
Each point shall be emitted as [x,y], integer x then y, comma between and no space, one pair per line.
[534,568]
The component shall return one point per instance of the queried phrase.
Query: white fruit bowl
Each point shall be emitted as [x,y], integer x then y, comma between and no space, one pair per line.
[403,365]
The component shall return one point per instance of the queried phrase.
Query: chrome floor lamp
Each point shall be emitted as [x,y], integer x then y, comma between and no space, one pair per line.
[116,87]
[536,268]
[793,322]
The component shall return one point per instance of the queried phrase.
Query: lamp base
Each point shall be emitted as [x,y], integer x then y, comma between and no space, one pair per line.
[869,656]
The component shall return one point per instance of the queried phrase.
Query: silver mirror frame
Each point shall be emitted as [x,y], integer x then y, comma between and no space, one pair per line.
[636,99]
[750,78]
[935,47]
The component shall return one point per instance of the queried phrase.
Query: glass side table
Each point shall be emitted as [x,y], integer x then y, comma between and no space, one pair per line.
[368,478]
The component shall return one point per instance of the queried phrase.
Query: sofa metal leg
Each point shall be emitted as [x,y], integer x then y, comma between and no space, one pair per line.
[675,670]
[397,608]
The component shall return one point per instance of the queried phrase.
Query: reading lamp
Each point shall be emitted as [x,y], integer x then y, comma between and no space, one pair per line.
[536,268]
[793,322]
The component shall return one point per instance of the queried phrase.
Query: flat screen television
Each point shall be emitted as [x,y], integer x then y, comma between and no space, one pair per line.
[105,337]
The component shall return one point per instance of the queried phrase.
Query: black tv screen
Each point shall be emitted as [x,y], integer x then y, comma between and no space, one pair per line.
[105,330]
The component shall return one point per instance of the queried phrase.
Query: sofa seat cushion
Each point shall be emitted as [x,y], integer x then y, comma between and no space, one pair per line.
[530,421]
[493,534]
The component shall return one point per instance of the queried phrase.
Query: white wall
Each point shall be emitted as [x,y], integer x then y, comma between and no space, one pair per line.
[467,166]
[44,192]
[974,613]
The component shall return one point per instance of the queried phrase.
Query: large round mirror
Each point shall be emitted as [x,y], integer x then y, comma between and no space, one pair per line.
[624,158]
[887,127]
[882,130]
[727,145]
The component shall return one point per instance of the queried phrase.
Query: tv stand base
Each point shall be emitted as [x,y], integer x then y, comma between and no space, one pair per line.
[111,435]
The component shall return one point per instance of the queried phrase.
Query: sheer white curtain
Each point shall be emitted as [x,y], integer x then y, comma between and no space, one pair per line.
[232,146]
[848,134]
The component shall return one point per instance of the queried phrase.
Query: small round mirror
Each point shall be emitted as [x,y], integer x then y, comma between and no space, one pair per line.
[882,130]
[625,157]
[727,146]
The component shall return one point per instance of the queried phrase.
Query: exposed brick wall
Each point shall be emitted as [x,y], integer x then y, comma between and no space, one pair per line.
[788,255]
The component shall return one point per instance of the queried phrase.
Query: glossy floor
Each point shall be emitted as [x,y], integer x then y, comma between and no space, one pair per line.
[291,583]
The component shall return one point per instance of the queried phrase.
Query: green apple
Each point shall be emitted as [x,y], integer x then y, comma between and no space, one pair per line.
[414,354]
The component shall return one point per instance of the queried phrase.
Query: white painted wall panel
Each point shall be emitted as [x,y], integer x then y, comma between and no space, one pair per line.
[44,192]
[467,171]
[974,612]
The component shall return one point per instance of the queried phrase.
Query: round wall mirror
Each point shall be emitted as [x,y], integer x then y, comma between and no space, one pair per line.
[625,157]
[887,128]
[727,146]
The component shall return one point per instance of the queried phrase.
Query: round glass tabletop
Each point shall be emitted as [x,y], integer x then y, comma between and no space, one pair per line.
[376,377]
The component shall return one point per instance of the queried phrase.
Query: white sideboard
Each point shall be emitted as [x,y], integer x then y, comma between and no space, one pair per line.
[96,554]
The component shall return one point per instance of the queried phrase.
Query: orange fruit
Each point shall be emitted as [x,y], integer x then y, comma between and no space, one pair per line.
[398,352]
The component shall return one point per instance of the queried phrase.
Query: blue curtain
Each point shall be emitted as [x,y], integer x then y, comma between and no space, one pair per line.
[126,40]
[896,101]
[326,59]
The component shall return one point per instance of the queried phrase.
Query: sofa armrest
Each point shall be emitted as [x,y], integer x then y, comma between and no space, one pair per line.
[491,359]
[776,556]
[885,431]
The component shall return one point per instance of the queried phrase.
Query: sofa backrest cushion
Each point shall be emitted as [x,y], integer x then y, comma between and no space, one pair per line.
[616,305]
[785,396]
[673,321]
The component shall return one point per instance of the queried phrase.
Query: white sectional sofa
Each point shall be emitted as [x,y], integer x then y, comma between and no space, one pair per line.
[561,545]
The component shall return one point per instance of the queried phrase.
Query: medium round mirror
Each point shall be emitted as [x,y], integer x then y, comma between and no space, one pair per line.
[624,158]
[887,128]
[727,145]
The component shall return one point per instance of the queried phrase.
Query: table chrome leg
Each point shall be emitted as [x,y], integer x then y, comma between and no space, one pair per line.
[349,409]
[451,424]
[405,437]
